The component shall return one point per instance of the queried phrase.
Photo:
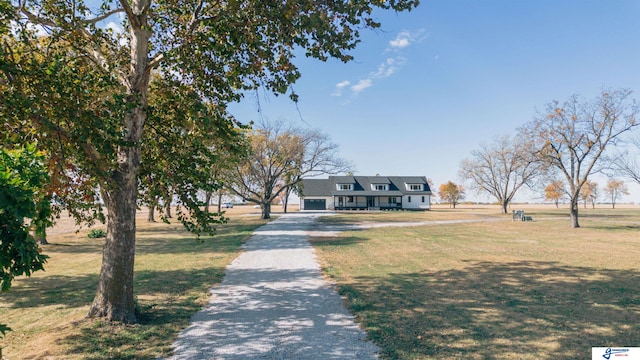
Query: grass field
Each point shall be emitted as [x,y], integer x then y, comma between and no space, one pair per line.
[491,290]
[172,277]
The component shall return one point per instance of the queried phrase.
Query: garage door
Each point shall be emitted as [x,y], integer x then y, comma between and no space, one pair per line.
[315,204]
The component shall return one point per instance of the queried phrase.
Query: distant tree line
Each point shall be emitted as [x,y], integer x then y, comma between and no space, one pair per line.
[560,150]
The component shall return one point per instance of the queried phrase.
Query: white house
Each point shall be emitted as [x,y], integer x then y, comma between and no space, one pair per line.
[366,193]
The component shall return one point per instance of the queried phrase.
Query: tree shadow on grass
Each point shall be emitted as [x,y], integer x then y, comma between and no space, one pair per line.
[161,242]
[222,243]
[91,246]
[333,241]
[44,289]
[166,300]
[518,310]
[79,290]
[337,220]
[612,227]
[619,215]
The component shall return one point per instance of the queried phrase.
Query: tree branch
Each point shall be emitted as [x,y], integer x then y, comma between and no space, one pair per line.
[194,17]
[130,15]
[97,56]
[101,17]
[33,17]
[87,149]
[153,63]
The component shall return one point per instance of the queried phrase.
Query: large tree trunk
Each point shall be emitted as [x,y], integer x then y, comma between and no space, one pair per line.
[114,297]
[152,211]
[41,221]
[40,235]
[574,213]
[219,201]
[285,200]
[266,210]
[505,205]
[167,209]
[207,200]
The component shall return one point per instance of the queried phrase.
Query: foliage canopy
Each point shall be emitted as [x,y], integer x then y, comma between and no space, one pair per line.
[23,177]
[83,90]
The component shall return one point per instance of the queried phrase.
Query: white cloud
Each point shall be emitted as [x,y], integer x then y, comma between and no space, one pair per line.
[361,85]
[339,86]
[116,28]
[388,67]
[385,69]
[402,40]
[406,38]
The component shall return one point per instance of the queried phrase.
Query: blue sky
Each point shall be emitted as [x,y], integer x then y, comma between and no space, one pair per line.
[432,84]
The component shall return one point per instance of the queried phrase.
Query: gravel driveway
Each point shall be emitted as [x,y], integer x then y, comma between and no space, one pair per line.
[274,304]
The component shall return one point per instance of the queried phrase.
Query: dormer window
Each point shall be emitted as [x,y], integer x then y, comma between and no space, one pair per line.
[344,186]
[414,187]
[379,187]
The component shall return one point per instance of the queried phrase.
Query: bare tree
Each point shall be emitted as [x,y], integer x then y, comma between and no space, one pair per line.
[501,168]
[280,157]
[629,165]
[572,137]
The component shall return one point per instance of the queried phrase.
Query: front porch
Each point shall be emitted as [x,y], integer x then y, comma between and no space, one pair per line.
[367,202]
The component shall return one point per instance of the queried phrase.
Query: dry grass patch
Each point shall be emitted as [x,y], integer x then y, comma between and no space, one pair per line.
[172,277]
[494,290]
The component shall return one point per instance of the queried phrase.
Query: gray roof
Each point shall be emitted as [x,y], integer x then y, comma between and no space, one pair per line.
[317,187]
[342,179]
[362,186]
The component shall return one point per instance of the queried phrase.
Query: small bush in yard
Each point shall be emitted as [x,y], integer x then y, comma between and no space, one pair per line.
[96,233]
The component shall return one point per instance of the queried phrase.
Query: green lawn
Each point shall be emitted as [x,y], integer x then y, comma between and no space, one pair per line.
[172,279]
[491,290]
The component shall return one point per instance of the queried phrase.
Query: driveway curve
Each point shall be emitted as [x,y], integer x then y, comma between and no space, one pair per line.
[274,304]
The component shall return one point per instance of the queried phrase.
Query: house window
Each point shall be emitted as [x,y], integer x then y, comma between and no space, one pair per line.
[350,199]
[379,187]
[423,199]
[408,198]
[393,200]
[415,187]
[345,186]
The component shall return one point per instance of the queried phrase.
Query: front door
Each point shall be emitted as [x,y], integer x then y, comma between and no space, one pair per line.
[340,201]
[371,201]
